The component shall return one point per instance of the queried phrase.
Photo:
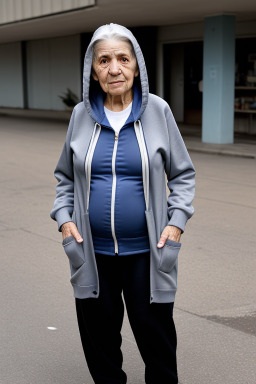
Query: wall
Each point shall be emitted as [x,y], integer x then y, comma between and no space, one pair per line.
[53,65]
[11,89]
[16,10]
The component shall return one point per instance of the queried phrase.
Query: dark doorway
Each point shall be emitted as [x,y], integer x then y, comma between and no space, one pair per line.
[183,70]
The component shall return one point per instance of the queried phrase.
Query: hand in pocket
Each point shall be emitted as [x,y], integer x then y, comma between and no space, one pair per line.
[170,232]
[70,229]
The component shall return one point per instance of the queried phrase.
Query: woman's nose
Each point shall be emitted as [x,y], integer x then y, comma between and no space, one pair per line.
[114,68]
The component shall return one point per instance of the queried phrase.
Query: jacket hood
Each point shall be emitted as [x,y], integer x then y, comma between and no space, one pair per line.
[93,95]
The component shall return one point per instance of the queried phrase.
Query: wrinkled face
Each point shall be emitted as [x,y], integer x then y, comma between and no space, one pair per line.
[114,67]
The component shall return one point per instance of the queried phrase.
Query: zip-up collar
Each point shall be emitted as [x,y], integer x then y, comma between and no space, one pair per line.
[97,103]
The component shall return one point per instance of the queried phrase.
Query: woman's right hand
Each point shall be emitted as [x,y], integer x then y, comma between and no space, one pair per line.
[70,229]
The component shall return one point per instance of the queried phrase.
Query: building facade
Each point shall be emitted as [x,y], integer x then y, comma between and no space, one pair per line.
[201,58]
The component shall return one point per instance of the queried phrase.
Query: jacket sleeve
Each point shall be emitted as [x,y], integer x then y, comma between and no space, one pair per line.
[180,175]
[64,201]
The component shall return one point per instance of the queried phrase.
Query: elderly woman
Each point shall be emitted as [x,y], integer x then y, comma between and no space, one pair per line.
[120,231]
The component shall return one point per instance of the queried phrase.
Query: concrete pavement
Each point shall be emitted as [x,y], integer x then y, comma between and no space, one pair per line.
[244,145]
[215,309]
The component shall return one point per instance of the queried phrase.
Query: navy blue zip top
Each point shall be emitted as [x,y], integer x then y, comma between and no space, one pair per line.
[117,203]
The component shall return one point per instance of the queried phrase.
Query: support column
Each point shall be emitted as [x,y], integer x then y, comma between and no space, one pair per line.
[219,79]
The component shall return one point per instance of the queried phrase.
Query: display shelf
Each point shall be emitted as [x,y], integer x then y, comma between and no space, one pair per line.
[245,110]
[248,93]
[244,87]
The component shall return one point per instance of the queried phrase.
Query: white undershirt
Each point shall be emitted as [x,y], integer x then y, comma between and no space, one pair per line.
[117,119]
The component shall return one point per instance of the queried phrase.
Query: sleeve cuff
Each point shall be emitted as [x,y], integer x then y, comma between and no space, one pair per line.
[178,219]
[62,216]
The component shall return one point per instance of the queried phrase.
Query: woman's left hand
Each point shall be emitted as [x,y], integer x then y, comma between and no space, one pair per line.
[169,232]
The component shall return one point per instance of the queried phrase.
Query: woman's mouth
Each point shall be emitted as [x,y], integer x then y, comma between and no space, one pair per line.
[116,83]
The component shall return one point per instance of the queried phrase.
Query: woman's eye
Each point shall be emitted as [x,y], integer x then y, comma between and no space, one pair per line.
[104,61]
[124,59]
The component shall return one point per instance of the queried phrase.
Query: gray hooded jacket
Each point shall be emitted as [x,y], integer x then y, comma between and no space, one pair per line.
[162,152]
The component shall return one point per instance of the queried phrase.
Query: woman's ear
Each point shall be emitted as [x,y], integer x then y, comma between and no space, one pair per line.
[93,73]
[137,71]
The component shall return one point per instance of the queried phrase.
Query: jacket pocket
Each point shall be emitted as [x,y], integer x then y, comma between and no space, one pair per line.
[74,251]
[86,275]
[169,255]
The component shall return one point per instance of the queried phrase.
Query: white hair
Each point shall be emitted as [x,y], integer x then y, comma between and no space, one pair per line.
[111,36]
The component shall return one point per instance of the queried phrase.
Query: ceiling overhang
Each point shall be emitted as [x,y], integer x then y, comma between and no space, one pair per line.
[129,13]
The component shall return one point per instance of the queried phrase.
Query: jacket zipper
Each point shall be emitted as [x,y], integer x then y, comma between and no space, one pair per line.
[88,160]
[113,197]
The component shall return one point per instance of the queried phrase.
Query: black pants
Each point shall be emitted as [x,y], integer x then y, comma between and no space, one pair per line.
[100,321]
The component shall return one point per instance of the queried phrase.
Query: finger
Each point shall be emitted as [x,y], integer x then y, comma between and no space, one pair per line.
[77,235]
[162,241]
